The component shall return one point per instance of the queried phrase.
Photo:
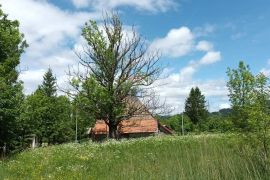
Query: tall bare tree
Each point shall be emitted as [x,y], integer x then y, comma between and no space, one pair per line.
[120,70]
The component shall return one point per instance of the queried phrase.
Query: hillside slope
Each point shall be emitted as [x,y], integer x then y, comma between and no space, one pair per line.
[190,157]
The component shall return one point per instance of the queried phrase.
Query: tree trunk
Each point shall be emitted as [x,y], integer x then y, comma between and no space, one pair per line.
[113,133]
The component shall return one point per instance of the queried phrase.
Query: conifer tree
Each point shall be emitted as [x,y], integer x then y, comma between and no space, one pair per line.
[195,106]
[49,84]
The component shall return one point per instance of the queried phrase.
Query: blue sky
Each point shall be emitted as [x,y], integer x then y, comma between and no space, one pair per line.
[198,39]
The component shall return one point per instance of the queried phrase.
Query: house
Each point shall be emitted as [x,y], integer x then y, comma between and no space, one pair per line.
[141,125]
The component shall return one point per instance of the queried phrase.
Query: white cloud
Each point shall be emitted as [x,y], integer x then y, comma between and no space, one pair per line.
[51,34]
[204,46]
[204,30]
[177,43]
[268,61]
[224,106]
[30,76]
[266,70]
[180,42]
[145,5]
[187,72]
[210,57]
[175,91]
[80,3]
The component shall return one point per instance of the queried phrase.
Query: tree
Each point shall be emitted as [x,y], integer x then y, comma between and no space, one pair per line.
[120,67]
[49,84]
[249,96]
[12,45]
[84,104]
[195,106]
[48,89]
[241,85]
[46,115]
[259,118]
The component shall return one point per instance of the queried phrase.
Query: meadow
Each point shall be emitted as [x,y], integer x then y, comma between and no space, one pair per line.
[167,157]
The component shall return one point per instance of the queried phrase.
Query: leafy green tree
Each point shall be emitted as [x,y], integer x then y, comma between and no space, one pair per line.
[259,118]
[195,106]
[249,96]
[12,45]
[85,106]
[46,115]
[31,118]
[241,85]
[63,129]
[216,122]
[118,65]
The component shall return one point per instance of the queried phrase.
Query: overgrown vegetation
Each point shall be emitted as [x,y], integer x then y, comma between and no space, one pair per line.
[190,157]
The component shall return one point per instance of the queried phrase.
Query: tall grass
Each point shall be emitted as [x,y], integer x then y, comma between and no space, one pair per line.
[191,157]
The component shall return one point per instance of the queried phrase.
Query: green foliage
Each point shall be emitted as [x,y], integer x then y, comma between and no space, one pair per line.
[188,157]
[118,68]
[249,96]
[47,116]
[241,85]
[175,123]
[220,121]
[259,119]
[216,123]
[12,45]
[195,106]
[49,84]
[90,103]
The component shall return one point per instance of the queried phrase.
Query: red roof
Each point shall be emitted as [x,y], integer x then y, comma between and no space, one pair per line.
[100,127]
[138,126]
[132,125]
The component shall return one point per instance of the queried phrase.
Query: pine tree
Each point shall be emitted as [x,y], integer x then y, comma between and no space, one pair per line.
[195,106]
[49,84]
[12,45]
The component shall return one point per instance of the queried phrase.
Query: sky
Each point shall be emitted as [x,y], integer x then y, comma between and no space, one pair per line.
[198,40]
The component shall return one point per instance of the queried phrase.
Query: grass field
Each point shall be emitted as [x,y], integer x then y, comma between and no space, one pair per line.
[190,157]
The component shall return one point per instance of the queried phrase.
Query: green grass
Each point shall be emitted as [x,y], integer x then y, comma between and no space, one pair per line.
[191,157]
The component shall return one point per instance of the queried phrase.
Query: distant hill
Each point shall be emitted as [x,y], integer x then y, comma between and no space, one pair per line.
[223,112]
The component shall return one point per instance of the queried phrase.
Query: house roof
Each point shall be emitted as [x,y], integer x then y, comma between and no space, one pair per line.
[100,127]
[165,129]
[132,125]
[142,121]
[138,126]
